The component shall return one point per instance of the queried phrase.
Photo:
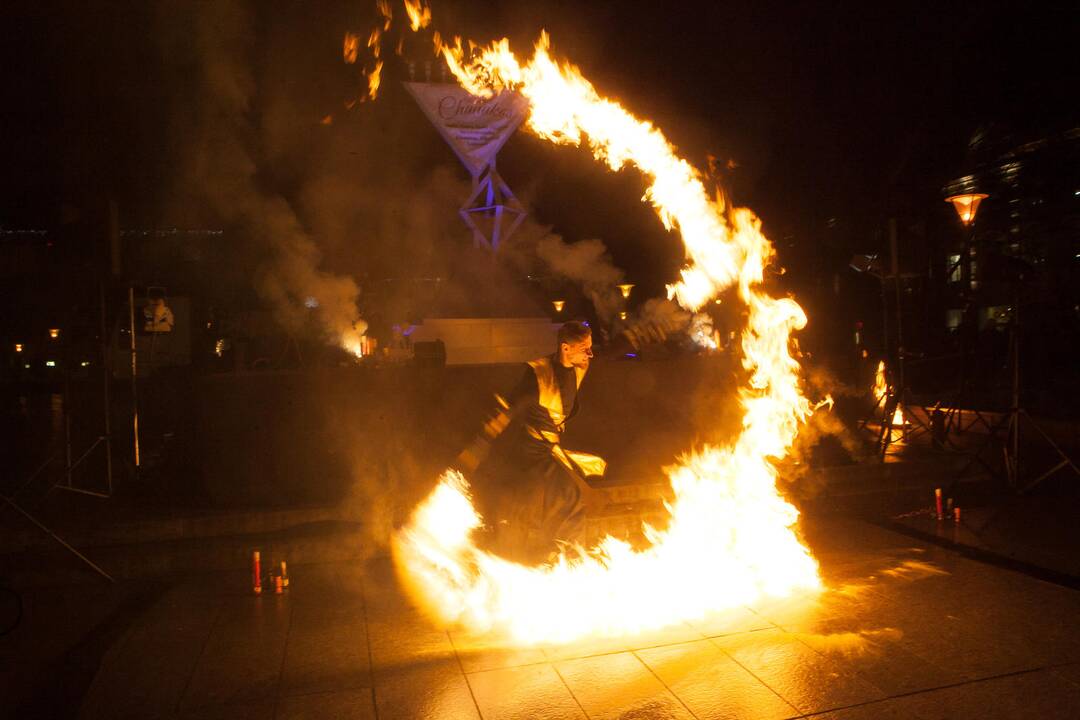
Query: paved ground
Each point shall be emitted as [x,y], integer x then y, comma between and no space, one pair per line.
[906,631]
[1037,530]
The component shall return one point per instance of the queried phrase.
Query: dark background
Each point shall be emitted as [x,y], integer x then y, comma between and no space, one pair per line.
[199,117]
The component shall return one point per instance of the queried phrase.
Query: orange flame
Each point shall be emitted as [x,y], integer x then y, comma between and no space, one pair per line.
[383,6]
[373,80]
[730,540]
[881,389]
[351,48]
[353,339]
[373,41]
[419,14]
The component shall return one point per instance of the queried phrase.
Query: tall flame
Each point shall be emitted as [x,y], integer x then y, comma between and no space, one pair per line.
[350,48]
[881,389]
[374,79]
[373,41]
[419,14]
[353,337]
[730,539]
[383,6]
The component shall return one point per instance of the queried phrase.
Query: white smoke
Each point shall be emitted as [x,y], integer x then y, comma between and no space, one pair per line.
[219,170]
[588,264]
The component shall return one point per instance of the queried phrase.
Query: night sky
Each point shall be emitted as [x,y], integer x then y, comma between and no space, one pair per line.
[833,112]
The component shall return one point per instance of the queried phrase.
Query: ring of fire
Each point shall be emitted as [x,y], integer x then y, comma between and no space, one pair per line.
[731,537]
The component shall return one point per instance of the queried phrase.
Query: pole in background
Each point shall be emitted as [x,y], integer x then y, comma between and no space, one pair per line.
[105,371]
[65,354]
[895,256]
[134,376]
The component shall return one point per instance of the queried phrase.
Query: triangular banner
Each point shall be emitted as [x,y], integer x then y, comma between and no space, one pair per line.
[475,128]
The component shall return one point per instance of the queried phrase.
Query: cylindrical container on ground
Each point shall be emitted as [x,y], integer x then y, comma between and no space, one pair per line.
[256,573]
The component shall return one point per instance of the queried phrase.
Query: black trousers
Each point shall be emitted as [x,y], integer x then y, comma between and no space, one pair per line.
[537,507]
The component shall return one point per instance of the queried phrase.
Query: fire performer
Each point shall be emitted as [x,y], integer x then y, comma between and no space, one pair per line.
[538,491]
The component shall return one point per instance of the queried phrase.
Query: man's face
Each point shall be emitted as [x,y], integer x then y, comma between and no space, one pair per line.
[578,354]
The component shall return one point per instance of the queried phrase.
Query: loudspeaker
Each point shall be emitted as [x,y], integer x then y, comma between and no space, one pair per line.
[429,354]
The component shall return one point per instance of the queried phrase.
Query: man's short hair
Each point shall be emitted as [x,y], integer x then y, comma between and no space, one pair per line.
[573,332]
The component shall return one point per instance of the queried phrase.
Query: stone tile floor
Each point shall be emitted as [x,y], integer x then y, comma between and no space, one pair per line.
[904,630]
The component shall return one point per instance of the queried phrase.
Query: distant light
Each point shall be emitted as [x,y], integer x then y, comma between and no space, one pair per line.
[622,315]
[27,366]
[50,363]
[85,363]
[966,205]
[625,289]
[558,305]
[18,346]
[54,333]
[311,302]
[633,355]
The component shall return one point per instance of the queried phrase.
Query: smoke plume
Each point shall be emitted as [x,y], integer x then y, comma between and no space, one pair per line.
[587,263]
[222,154]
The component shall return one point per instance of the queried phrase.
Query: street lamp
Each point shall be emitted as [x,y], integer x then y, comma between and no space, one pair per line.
[54,333]
[625,289]
[966,205]
[558,305]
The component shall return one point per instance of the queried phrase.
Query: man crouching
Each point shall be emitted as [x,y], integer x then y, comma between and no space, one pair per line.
[537,495]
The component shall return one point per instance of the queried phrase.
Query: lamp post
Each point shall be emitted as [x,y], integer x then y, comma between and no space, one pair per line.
[966,206]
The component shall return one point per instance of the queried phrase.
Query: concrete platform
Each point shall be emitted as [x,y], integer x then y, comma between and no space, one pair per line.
[905,630]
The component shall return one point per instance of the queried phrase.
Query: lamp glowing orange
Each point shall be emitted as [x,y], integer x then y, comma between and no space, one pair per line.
[625,289]
[18,347]
[558,305]
[622,315]
[966,205]
[54,333]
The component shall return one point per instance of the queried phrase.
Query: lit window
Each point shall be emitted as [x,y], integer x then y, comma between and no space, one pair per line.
[50,363]
[953,269]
